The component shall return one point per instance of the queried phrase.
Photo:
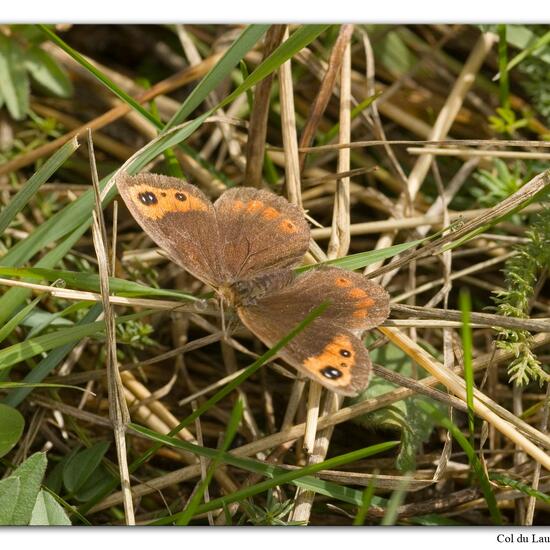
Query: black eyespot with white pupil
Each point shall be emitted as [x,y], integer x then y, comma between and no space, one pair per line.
[331,372]
[345,353]
[181,196]
[148,198]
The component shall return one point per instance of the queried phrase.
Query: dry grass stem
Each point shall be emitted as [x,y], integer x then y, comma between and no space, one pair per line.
[442,126]
[118,412]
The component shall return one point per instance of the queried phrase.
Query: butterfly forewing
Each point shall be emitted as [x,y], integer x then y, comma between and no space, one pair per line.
[179,218]
[260,233]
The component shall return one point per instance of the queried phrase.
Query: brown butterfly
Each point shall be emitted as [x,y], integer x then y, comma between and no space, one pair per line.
[245,246]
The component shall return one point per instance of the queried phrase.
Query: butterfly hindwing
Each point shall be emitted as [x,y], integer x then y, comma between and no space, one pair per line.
[328,350]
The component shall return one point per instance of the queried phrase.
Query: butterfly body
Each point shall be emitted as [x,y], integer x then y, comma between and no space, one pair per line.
[245,245]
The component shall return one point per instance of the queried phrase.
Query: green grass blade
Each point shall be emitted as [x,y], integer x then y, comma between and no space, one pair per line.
[368,493]
[14,297]
[232,427]
[49,363]
[472,458]
[507,481]
[29,348]
[10,325]
[296,42]
[299,39]
[166,140]
[42,175]
[355,112]
[75,216]
[235,53]
[362,259]
[90,282]
[228,388]
[300,477]
[396,499]
[41,320]
[537,44]
[434,520]
[467,347]
[277,475]
[106,81]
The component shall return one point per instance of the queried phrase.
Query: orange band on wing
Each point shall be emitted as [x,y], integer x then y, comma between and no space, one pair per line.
[287,226]
[155,203]
[254,206]
[342,282]
[335,362]
[357,293]
[270,213]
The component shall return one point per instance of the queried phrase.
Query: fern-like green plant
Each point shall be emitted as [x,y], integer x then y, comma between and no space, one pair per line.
[522,272]
[273,513]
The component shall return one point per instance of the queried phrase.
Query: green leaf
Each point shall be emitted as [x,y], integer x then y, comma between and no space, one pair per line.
[40,318]
[405,416]
[98,481]
[11,428]
[19,201]
[393,53]
[54,479]
[9,493]
[81,466]
[30,475]
[47,511]
[46,72]
[14,81]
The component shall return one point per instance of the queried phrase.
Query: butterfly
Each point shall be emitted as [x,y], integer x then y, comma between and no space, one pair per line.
[245,246]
